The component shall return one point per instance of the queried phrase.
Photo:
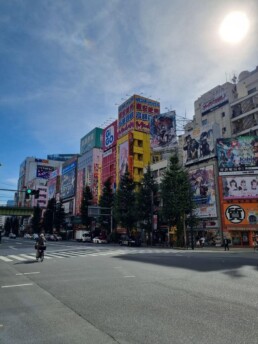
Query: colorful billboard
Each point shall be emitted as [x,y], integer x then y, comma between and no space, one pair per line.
[52,188]
[240,214]
[135,114]
[217,99]
[199,144]
[240,187]
[203,186]
[163,131]
[109,136]
[123,158]
[237,154]
[145,110]
[79,190]
[68,181]
[43,171]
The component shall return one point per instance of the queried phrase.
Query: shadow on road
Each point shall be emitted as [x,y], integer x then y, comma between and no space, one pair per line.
[206,262]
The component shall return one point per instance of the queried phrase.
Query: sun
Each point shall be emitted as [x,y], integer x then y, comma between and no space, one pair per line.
[234,27]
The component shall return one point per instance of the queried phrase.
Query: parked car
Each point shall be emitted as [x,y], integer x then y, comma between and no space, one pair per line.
[98,240]
[86,237]
[12,236]
[35,236]
[27,236]
[127,241]
[47,236]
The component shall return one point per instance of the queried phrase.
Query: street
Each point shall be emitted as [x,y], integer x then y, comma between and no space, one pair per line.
[87,293]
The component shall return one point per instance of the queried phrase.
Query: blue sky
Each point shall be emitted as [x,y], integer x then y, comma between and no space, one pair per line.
[65,64]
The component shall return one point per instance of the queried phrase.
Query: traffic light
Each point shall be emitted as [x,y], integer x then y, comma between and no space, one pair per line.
[28,193]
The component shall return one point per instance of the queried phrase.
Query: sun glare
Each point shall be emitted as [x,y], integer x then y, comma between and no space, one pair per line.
[234,27]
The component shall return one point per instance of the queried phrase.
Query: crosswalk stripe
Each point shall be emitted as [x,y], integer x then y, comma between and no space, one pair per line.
[27,256]
[5,259]
[52,255]
[17,258]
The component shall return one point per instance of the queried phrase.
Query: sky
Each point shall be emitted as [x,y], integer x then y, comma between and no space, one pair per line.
[65,66]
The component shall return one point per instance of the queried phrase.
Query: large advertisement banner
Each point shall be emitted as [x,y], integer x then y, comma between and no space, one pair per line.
[237,154]
[126,117]
[44,171]
[203,186]
[110,136]
[163,131]
[199,144]
[68,181]
[240,187]
[123,158]
[52,187]
[145,110]
[79,190]
[240,214]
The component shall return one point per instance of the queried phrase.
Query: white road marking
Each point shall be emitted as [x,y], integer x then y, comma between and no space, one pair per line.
[13,248]
[27,256]
[16,285]
[129,276]
[28,273]
[17,257]
[5,259]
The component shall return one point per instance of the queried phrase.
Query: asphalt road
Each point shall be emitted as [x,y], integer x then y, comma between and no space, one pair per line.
[87,293]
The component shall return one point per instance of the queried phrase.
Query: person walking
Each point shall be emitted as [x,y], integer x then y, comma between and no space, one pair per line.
[226,242]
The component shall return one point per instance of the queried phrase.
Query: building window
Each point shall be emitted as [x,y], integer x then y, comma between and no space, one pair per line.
[204,122]
[223,114]
[140,143]
[224,130]
[140,157]
[252,90]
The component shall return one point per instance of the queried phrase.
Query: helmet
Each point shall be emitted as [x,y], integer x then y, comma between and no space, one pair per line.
[42,235]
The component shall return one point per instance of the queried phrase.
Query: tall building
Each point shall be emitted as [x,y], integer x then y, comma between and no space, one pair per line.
[133,144]
[34,174]
[244,119]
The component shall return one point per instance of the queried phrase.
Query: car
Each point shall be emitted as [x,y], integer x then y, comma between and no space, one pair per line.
[35,236]
[47,236]
[12,236]
[53,237]
[27,236]
[127,241]
[58,237]
[86,237]
[98,240]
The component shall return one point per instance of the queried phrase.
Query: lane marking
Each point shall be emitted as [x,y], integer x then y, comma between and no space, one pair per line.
[16,285]
[5,259]
[17,257]
[13,248]
[27,256]
[28,273]
[129,276]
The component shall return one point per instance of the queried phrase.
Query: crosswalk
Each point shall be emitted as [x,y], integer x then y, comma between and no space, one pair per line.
[82,253]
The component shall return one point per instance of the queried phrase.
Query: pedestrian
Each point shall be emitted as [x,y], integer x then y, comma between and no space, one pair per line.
[226,242]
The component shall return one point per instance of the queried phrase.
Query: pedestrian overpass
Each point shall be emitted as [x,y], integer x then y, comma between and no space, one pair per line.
[16,211]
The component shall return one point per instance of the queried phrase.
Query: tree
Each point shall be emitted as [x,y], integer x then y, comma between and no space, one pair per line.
[49,214]
[147,201]
[176,195]
[106,201]
[36,219]
[59,216]
[125,203]
[86,201]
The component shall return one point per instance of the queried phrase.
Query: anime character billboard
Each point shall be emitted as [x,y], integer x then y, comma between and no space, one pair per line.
[203,187]
[199,144]
[163,131]
[68,181]
[237,154]
[123,158]
[240,187]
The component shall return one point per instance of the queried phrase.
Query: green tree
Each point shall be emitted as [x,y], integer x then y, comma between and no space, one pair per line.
[176,195]
[125,203]
[106,201]
[48,220]
[85,203]
[147,201]
[36,219]
[59,216]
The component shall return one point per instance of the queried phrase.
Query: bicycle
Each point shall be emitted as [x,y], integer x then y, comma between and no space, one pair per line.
[40,252]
